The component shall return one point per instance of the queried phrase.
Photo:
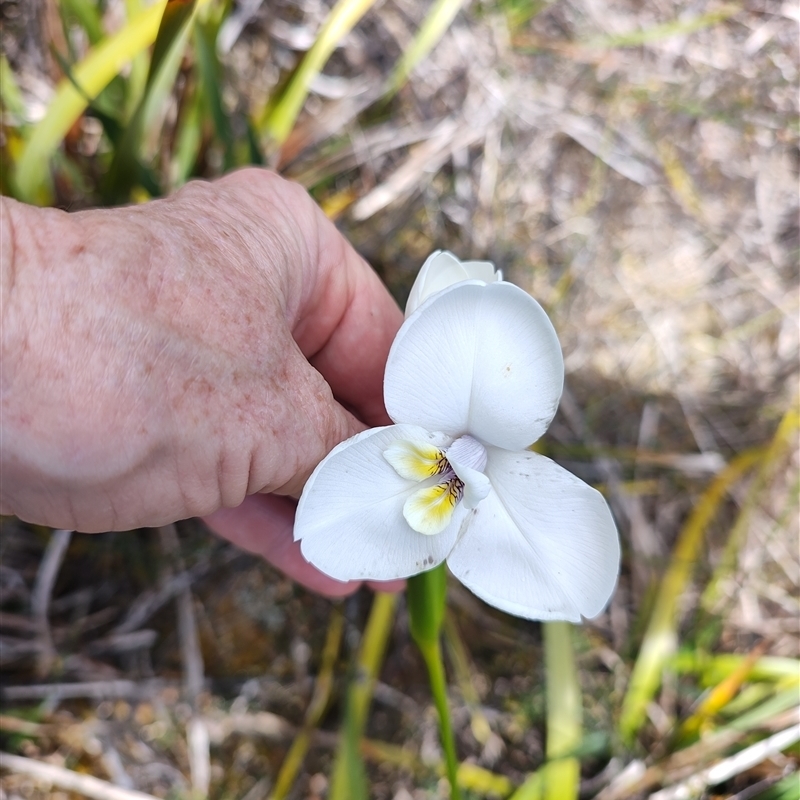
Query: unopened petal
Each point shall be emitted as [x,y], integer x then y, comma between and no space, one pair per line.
[442,269]
[542,545]
[350,517]
[478,359]
[482,271]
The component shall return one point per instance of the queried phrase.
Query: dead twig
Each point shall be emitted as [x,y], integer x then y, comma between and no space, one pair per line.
[264,724]
[197,737]
[70,781]
[23,727]
[732,766]
[43,591]
[94,690]
[644,540]
[425,159]
[123,642]
[149,602]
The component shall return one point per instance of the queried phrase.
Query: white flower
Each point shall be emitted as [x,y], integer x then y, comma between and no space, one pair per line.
[473,378]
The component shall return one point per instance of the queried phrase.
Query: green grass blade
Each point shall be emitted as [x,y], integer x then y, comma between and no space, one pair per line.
[480,781]
[764,713]
[719,695]
[533,788]
[93,74]
[87,15]
[518,12]
[112,127]
[372,652]
[254,154]
[564,714]
[348,779]
[343,16]
[658,33]
[660,639]
[177,15]
[783,439]
[463,671]
[10,96]
[158,89]
[188,139]
[787,788]
[316,708]
[170,42]
[137,77]
[210,75]
[433,28]
[715,668]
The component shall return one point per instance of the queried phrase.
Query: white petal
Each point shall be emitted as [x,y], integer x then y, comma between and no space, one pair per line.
[467,457]
[476,484]
[478,359]
[350,518]
[542,545]
[442,269]
[430,510]
[467,450]
[416,460]
[482,271]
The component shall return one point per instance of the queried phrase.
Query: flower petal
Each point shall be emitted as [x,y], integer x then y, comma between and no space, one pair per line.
[442,269]
[542,545]
[350,518]
[430,510]
[467,458]
[482,271]
[416,461]
[476,485]
[478,359]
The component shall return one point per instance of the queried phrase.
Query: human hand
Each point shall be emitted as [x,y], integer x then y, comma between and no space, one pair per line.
[168,360]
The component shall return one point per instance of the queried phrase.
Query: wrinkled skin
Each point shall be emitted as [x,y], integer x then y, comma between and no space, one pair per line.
[192,356]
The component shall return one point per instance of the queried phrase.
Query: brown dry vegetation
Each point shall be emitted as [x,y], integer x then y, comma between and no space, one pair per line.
[635,167]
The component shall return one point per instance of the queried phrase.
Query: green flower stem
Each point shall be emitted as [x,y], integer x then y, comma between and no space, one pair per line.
[564,713]
[426,595]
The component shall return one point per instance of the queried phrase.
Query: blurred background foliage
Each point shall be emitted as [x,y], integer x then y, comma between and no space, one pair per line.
[632,165]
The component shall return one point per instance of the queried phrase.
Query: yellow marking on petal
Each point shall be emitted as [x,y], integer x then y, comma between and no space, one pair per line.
[414,461]
[430,510]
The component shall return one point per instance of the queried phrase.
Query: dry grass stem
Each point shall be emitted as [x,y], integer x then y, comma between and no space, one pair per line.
[68,780]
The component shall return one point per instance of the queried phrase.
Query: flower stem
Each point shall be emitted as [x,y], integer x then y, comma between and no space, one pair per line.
[426,595]
[564,713]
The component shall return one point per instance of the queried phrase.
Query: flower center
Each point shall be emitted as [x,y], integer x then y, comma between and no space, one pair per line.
[458,471]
